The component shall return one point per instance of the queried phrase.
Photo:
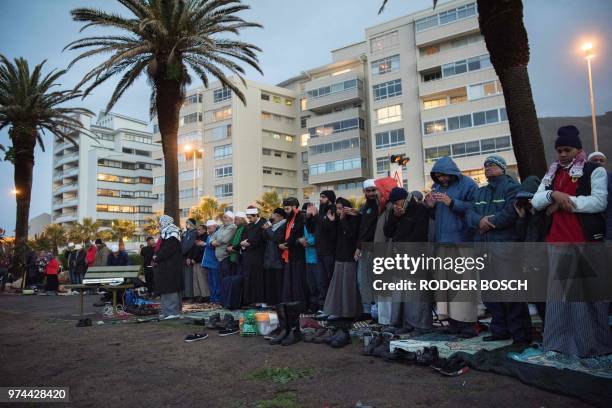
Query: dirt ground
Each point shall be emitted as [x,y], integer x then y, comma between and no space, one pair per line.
[150,365]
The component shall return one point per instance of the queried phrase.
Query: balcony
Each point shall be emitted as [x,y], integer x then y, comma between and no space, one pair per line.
[321,104]
[326,178]
[454,29]
[65,217]
[67,158]
[57,204]
[332,117]
[66,188]
[456,81]
[447,56]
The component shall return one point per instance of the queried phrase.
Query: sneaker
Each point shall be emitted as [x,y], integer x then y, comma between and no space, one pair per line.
[172,317]
[227,320]
[308,334]
[213,320]
[230,329]
[340,339]
[384,346]
[195,337]
[375,342]
[321,316]
[323,336]
[428,356]
[454,368]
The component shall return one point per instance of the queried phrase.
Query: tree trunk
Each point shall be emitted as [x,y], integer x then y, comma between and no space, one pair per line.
[24,140]
[169,99]
[501,24]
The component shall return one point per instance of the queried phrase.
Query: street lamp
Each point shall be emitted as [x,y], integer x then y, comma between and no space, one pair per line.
[589,54]
[187,149]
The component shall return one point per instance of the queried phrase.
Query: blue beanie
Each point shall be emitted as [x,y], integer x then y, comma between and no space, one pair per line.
[397,194]
[568,136]
[496,160]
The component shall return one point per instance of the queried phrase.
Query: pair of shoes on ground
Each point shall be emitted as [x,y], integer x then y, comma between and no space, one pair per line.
[378,345]
[226,326]
[451,367]
[337,338]
[289,323]
[196,337]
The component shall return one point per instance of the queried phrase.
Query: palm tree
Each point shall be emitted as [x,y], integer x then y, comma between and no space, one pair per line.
[356,202]
[89,228]
[123,229]
[151,226]
[40,243]
[74,233]
[268,202]
[56,234]
[501,24]
[105,234]
[29,107]
[208,209]
[163,39]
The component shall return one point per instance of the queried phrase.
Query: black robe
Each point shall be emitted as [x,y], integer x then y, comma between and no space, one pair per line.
[168,273]
[252,263]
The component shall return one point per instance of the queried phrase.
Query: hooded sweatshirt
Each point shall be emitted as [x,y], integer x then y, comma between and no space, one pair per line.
[450,223]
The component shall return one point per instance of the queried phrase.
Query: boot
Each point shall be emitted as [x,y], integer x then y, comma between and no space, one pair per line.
[293,310]
[282,324]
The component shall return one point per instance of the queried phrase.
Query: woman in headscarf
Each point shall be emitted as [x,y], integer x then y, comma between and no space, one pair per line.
[168,271]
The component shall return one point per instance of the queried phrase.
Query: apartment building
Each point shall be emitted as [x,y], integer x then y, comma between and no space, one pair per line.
[108,175]
[450,101]
[421,85]
[333,114]
[232,151]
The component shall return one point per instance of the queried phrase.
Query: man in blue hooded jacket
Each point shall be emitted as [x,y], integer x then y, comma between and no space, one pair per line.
[451,196]
[493,219]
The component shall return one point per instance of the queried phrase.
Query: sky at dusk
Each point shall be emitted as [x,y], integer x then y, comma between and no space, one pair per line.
[299,35]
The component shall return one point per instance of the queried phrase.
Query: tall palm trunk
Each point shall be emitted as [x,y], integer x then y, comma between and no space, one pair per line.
[501,24]
[169,99]
[24,140]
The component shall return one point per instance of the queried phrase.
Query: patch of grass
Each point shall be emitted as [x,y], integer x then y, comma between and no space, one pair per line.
[281,375]
[281,400]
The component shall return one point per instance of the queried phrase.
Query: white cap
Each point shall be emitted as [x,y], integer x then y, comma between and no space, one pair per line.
[70,244]
[210,223]
[114,248]
[229,214]
[595,154]
[252,211]
[369,183]
[79,247]
[240,214]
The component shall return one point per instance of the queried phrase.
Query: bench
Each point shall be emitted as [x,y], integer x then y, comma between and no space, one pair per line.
[110,278]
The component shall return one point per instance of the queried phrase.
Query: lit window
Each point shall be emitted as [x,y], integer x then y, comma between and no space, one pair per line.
[222,114]
[389,114]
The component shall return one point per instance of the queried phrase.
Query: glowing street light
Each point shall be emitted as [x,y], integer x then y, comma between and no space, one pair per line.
[589,54]
[188,149]
[14,191]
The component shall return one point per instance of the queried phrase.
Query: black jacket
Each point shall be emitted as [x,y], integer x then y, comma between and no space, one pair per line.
[411,226]
[168,272]
[532,227]
[325,232]
[367,225]
[348,233]
[197,252]
[81,262]
[296,250]
[272,253]
[147,253]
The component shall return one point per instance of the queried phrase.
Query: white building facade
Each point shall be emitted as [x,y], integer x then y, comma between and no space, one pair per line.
[107,176]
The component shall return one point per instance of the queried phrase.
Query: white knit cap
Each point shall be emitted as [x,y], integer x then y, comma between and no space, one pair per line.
[369,183]
[78,247]
[70,244]
[240,214]
[595,154]
[210,223]
[229,214]
[114,248]
[252,211]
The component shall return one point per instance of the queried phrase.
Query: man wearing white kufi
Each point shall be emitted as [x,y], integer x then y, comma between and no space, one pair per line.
[253,247]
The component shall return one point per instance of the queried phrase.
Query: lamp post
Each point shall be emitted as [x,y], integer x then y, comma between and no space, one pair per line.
[587,48]
[188,149]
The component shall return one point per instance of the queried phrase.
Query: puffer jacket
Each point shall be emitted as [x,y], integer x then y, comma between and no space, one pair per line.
[497,200]
[450,224]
